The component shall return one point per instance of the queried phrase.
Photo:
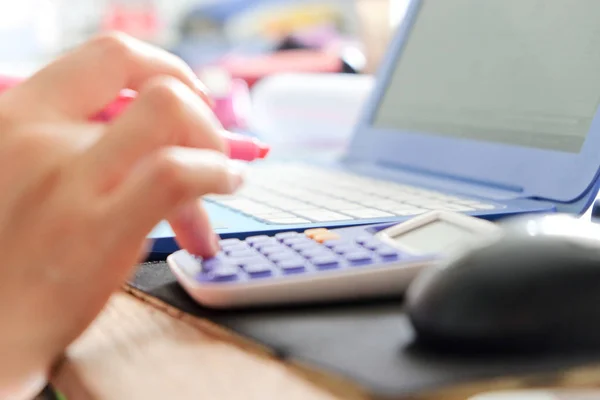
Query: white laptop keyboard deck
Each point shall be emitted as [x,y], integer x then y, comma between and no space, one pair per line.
[298,194]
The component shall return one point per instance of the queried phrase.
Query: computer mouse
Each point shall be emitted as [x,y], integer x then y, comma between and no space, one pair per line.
[535,285]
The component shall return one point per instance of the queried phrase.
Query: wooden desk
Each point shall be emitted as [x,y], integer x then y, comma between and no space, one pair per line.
[142,349]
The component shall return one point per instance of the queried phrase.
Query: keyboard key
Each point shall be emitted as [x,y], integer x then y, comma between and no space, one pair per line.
[445,197]
[456,208]
[326,262]
[384,204]
[274,216]
[248,206]
[292,266]
[258,270]
[359,257]
[287,221]
[426,203]
[335,204]
[406,212]
[293,205]
[478,205]
[319,215]
[363,198]
[403,196]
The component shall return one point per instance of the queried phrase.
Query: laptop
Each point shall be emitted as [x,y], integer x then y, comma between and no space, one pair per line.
[488,108]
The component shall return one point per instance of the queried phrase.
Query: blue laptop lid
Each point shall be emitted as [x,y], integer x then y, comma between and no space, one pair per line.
[500,92]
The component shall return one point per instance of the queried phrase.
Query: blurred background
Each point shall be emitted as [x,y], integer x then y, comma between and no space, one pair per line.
[270,63]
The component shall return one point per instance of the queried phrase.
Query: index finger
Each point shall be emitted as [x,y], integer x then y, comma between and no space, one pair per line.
[86,80]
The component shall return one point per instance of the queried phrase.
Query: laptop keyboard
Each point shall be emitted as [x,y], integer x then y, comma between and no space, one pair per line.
[297,194]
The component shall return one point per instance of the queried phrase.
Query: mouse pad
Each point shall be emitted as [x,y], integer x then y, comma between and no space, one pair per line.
[372,343]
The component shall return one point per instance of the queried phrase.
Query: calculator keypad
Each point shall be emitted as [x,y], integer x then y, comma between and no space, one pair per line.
[293,253]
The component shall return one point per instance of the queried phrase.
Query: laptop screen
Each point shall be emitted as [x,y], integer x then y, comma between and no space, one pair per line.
[519,72]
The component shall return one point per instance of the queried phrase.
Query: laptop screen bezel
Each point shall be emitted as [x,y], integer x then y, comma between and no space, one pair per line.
[542,173]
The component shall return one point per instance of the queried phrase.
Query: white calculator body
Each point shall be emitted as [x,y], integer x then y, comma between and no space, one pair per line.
[325,265]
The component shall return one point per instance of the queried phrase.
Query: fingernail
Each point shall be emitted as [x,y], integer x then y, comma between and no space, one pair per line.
[236,171]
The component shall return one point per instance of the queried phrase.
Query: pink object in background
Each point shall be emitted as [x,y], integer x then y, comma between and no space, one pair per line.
[137,18]
[252,69]
[231,96]
[232,110]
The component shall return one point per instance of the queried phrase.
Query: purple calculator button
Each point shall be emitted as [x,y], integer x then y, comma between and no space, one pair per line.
[254,240]
[371,245]
[326,262]
[275,249]
[244,261]
[310,245]
[224,273]
[234,248]
[363,239]
[258,270]
[283,256]
[286,235]
[345,248]
[315,252]
[267,243]
[334,243]
[296,240]
[212,263]
[229,242]
[359,257]
[244,253]
[292,266]
[387,253]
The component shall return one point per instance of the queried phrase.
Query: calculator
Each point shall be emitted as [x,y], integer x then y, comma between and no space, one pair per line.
[321,264]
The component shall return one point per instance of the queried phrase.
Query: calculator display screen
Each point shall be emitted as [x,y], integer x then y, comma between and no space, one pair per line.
[434,237]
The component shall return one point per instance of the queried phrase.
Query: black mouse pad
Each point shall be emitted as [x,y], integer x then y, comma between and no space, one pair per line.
[371,343]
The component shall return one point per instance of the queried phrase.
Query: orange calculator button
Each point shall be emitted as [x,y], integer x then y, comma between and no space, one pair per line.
[325,236]
[312,233]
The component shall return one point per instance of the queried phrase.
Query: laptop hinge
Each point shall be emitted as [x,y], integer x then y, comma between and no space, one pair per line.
[439,181]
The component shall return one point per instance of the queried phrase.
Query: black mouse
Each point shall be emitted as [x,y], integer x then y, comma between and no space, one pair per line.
[533,286]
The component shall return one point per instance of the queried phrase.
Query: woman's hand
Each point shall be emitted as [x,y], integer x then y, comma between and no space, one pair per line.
[78,199]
